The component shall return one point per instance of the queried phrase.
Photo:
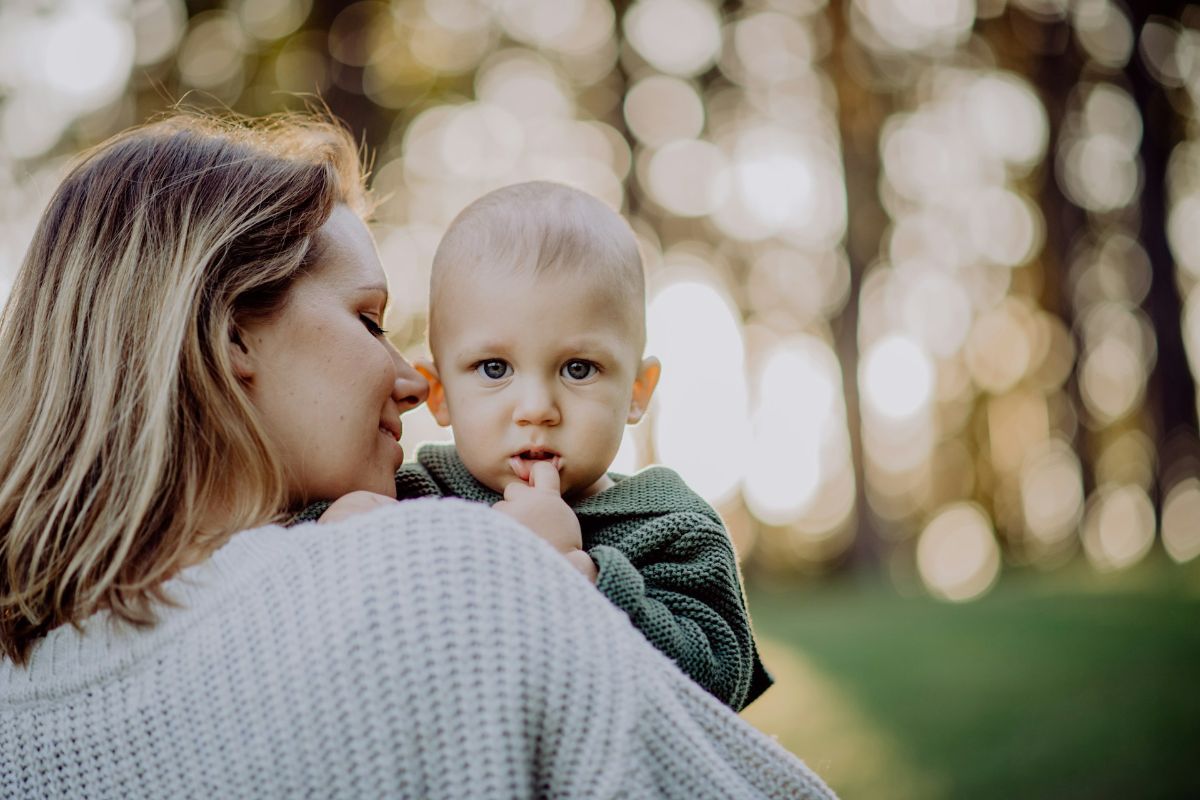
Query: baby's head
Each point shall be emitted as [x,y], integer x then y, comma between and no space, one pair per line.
[537,324]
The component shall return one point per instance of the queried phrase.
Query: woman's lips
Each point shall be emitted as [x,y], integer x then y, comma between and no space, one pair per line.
[393,438]
[393,428]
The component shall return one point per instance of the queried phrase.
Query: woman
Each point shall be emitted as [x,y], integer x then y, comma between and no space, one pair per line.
[191,348]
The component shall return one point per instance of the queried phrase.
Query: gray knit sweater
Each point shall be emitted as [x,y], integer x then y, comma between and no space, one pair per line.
[662,556]
[430,649]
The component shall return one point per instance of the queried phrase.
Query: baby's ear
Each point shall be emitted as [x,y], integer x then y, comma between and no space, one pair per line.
[437,392]
[643,389]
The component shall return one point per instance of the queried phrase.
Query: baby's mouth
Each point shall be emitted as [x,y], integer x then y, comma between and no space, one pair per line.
[522,463]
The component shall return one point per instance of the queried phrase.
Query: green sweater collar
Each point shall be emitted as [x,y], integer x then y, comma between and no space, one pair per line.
[641,494]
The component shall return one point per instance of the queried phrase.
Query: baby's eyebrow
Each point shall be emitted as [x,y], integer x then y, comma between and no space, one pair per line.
[484,346]
[587,346]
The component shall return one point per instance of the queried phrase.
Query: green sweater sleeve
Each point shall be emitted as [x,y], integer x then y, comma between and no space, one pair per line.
[677,579]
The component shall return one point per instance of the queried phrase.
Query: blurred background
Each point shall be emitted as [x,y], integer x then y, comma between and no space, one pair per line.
[924,278]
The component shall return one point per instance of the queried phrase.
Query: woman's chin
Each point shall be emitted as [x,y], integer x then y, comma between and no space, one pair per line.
[385,486]
[378,481]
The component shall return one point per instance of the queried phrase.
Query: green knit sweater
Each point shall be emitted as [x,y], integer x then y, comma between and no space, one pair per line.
[663,556]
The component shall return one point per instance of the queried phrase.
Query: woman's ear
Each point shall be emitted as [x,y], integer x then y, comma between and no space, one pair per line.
[643,389]
[239,354]
[437,391]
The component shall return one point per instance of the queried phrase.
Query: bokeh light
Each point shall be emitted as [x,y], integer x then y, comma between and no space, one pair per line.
[693,329]
[1118,527]
[86,55]
[957,555]
[1052,492]
[799,430]
[899,25]
[917,291]
[679,37]
[1007,118]
[1104,32]
[272,19]
[1181,511]
[687,177]
[659,109]
[897,377]
[158,26]
[999,350]
[212,55]
[1098,157]
[57,64]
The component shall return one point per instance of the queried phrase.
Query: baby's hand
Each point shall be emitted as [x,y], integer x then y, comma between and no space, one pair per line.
[352,503]
[583,562]
[539,507]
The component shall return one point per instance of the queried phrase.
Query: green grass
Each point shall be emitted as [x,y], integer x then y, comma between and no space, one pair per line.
[1069,685]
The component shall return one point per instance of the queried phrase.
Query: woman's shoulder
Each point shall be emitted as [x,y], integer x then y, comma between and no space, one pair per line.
[394,547]
[379,527]
[311,588]
[407,563]
[413,535]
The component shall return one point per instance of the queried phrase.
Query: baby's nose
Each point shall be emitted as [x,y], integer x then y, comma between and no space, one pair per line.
[536,406]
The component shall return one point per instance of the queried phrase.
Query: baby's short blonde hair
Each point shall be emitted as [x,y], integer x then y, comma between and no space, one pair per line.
[548,228]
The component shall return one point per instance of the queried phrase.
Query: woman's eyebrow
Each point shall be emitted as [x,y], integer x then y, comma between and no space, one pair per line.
[376,288]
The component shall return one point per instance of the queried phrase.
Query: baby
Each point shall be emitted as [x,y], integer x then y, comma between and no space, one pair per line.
[537,328]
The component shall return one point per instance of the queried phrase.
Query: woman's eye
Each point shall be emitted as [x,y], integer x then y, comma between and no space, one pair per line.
[493,369]
[579,370]
[371,325]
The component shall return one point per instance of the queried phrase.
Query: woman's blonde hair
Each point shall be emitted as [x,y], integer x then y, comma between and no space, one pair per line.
[125,432]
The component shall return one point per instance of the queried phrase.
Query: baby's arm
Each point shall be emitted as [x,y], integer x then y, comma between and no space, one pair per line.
[676,577]
[539,507]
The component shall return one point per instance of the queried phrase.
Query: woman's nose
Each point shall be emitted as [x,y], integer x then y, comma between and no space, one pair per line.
[410,389]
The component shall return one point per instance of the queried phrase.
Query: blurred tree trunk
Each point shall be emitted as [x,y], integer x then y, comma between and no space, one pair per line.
[1056,73]
[1171,392]
[861,112]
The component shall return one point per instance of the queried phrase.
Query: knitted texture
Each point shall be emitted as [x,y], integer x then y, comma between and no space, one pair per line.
[433,649]
[663,557]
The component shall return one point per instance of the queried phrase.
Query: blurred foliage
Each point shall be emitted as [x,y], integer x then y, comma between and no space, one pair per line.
[924,275]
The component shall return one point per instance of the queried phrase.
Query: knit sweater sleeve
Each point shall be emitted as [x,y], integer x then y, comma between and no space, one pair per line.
[430,649]
[676,577]
[533,685]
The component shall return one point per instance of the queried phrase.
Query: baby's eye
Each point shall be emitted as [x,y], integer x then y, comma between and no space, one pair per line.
[494,369]
[578,370]
[371,325]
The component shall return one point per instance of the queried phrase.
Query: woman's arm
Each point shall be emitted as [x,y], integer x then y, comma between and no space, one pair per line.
[503,664]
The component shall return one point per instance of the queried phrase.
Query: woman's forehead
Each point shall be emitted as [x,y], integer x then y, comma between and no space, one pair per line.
[346,251]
